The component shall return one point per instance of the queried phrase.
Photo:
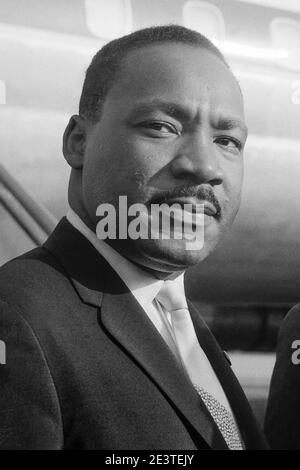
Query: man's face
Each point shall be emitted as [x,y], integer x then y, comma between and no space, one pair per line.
[171,129]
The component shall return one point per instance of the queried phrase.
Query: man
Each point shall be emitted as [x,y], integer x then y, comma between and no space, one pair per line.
[282,423]
[103,351]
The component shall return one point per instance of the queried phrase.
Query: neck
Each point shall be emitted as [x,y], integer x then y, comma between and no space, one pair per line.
[161,272]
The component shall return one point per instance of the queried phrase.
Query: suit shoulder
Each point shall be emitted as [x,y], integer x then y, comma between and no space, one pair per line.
[29,269]
[27,389]
[293,314]
[291,322]
[32,280]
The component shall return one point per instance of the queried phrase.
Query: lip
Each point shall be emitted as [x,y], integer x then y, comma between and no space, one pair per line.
[209,208]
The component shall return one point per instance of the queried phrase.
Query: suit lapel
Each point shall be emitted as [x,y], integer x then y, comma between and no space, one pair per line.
[126,321]
[248,426]
[97,284]
[79,262]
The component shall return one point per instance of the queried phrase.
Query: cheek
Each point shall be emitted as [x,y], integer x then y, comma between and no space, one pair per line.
[232,186]
[238,179]
[143,165]
[148,157]
[115,171]
[132,158]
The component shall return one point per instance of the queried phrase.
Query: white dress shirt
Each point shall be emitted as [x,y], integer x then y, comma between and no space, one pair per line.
[145,288]
[142,284]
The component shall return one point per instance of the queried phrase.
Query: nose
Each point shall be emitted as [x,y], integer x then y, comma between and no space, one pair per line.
[196,161]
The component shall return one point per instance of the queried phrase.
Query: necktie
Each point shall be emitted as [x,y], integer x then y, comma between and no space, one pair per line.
[171,296]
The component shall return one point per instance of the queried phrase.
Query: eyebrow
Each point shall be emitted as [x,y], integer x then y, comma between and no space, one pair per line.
[172,109]
[227,124]
[183,114]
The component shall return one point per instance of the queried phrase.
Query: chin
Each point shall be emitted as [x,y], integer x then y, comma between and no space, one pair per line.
[169,255]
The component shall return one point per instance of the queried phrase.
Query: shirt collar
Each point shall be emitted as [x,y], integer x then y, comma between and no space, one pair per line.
[143,285]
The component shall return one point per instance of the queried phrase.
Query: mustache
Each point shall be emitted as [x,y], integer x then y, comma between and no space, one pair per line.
[202,193]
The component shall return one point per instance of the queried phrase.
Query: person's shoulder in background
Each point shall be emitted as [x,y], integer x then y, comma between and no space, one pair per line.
[282,422]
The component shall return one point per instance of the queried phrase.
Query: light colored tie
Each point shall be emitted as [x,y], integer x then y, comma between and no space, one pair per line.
[172,297]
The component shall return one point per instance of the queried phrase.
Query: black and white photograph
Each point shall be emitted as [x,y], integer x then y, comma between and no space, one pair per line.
[150,228]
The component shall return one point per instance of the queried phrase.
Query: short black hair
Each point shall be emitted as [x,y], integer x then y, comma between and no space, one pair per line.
[103,70]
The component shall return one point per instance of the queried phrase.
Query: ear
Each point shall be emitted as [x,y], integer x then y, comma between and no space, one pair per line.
[74,141]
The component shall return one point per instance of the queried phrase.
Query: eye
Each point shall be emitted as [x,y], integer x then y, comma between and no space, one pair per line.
[229,143]
[159,128]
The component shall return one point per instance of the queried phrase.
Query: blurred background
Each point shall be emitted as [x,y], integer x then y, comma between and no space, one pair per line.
[247,286]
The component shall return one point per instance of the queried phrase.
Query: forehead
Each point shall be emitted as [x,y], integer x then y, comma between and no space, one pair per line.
[188,74]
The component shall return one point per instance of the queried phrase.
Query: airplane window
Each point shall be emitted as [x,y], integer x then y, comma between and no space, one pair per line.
[108,20]
[205,18]
[288,5]
[285,35]
[13,240]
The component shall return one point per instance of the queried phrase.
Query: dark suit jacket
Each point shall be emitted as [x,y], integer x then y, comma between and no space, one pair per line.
[86,368]
[282,422]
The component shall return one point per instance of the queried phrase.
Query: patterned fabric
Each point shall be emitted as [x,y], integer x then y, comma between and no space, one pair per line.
[196,363]
[223,419]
